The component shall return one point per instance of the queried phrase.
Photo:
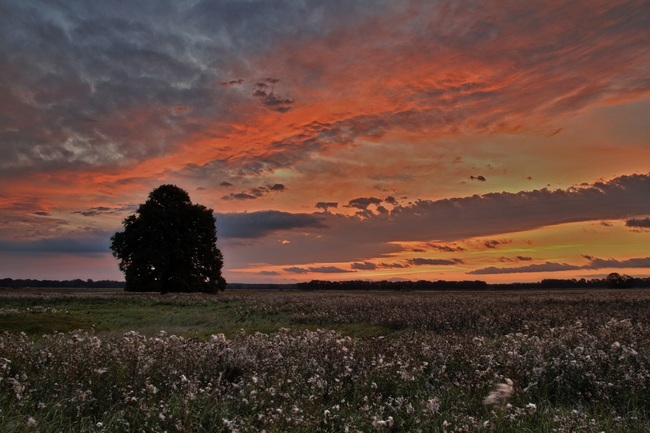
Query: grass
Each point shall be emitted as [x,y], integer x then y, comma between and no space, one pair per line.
[112,313]
[324,362]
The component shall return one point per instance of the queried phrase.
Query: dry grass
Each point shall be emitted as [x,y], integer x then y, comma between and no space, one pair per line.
[329,362]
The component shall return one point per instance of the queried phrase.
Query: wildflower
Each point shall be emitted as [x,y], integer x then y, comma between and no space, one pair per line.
[99,424]
[500,395]
[31,422]
[432,405]
[383,423]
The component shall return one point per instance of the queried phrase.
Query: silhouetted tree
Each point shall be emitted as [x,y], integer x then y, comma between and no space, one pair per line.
[618,281]
[169,245]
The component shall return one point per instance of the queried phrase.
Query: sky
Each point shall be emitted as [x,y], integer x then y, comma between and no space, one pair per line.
[370,140]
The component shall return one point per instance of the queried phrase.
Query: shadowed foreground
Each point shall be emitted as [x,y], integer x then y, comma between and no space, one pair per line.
[544,361]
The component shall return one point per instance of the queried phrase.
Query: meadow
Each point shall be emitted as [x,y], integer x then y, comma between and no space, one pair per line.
[290,361]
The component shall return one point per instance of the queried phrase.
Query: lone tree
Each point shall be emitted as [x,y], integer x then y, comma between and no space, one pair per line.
[169,245]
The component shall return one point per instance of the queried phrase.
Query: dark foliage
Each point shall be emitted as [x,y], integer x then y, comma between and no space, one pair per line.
[612,281]
[71,284]
[169,245]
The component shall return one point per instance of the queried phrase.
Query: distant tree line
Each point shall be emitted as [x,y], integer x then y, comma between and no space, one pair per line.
[72,284]
[392,285]
[613,281]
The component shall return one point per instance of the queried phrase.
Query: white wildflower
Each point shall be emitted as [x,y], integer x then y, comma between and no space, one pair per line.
[31,422]
[432,405]
[500,395]
[383,423]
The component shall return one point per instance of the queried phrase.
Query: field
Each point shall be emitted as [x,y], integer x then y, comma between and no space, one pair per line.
[274,361]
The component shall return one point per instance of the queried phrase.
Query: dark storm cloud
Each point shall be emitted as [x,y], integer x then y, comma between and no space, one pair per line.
[643,223]
[263,223]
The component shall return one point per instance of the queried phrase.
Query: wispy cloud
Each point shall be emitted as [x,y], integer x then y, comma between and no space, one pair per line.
[253,193]
[538,267]
[595,263]
[317,270]
[434,262]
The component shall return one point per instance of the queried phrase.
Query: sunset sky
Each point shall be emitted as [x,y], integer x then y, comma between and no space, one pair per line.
[442,139]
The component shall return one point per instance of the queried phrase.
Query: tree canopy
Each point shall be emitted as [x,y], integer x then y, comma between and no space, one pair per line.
[169,245]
